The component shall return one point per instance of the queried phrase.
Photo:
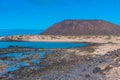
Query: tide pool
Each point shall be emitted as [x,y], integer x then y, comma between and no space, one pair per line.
[15,61]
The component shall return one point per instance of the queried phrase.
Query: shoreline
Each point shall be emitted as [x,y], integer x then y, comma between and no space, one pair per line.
[100,60]
[72,58]
[59,38]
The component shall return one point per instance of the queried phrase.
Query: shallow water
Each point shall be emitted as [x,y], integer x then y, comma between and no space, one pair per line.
[42,44]
[13,61]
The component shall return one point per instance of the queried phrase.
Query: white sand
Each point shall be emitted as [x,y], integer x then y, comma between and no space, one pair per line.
[51,38]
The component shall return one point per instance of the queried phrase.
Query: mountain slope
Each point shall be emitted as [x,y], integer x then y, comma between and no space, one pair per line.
[83,27]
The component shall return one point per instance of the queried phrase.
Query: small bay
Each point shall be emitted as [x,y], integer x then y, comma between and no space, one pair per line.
[43,44]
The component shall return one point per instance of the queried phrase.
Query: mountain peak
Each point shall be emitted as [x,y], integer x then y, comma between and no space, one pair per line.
[83,27]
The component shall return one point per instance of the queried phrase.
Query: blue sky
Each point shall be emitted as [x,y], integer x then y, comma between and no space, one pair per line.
[41,14]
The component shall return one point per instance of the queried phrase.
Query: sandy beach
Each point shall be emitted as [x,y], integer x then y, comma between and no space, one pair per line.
[59,38]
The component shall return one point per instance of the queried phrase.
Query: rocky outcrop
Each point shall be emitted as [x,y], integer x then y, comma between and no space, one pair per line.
[73,64]
[13,49]
[83,27]
[105,67]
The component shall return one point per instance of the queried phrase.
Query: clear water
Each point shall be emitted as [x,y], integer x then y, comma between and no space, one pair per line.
[14,61]
[42,44]
[10,32]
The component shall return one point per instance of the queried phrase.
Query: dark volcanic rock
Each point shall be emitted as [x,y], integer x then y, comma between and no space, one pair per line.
[83,27]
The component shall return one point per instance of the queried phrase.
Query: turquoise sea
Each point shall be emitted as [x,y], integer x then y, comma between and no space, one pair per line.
[42,44]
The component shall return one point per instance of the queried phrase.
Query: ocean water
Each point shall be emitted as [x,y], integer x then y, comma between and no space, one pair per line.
[10,32]
[42,44]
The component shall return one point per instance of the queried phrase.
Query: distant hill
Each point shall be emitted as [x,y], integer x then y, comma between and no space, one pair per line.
[83,27]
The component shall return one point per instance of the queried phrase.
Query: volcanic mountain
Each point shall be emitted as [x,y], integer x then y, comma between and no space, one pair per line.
[83,27]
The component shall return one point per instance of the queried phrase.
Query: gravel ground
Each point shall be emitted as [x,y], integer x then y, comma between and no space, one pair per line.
[66,64]
[106,67]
